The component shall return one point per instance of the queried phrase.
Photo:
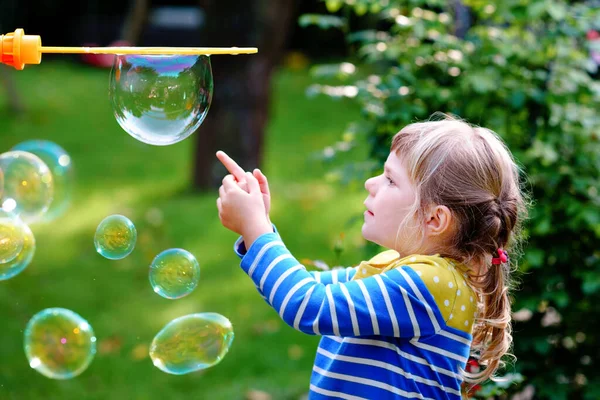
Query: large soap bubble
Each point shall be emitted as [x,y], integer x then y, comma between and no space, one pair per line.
[60,164]
[160,99]
[191,343]
[28,185]
[59,343]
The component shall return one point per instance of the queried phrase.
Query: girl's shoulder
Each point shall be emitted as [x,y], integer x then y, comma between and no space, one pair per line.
[384,258]
[446,281]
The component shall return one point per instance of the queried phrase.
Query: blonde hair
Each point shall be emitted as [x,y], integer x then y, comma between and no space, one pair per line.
[470,170]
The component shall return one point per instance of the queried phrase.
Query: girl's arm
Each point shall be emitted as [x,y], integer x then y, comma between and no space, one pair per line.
[395,303]
[325,277]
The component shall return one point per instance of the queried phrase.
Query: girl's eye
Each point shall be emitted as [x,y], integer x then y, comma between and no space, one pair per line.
[390,182]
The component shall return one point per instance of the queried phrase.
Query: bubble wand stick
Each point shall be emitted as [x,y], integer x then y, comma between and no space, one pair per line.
[18,49]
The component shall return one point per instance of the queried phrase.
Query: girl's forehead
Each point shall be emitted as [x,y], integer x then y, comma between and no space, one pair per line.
[394,161]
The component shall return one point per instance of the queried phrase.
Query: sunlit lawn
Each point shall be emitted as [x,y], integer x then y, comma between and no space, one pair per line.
[68,104]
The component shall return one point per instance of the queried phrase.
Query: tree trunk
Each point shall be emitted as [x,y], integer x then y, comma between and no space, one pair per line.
[134,22]
[238,115]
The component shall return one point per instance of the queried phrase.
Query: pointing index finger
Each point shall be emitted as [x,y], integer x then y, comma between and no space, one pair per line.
[231,166]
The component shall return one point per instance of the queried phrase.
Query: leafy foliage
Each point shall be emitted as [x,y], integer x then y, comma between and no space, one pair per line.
[524,70]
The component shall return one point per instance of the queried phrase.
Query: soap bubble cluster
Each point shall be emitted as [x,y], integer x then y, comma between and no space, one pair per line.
[158,100]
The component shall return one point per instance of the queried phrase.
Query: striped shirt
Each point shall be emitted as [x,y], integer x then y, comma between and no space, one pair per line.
[383,337]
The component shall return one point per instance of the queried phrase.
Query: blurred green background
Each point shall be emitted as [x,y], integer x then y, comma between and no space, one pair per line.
[315,109]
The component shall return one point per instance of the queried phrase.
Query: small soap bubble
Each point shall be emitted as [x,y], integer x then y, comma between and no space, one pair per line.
[59,343]
[21,261]
[28,185]
[60,165]
[12,234]
[160,99]
[192,343]
[174,273]
[115,237]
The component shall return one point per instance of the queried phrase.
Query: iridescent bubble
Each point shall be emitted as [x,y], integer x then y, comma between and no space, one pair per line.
[115,237]
[22,260]
[61,167]
[59,343]
[191,343]
[28,185]
[160,99]
[174,273]
[11,236]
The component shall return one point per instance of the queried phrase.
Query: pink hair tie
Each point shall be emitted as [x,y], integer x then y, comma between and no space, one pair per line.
[502,259]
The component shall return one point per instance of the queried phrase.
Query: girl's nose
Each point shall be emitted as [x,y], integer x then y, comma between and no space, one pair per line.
[370,185]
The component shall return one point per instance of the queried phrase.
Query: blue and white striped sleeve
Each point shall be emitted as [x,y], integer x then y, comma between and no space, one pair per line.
[395,303]
[240,247]
[325,277]
[334,276]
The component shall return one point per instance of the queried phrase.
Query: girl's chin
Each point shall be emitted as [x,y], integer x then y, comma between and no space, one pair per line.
[367,235]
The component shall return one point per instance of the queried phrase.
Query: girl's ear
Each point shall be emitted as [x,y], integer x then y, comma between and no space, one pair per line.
[439,221]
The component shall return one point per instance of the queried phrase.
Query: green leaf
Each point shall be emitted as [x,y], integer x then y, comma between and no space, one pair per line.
[544,226]
[541,346]
[591,283]
[333,5]
[557,11]
[534,257]
[483,81]
[361,9]
[340,70]
[517,99]
[363,36]
[561,298]
[322,21]
[375,8]
[536,9]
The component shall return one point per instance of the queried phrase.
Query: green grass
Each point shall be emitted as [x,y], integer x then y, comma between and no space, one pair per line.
[69,105]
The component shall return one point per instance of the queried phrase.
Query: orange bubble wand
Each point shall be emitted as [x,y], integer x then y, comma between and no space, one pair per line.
[18,49]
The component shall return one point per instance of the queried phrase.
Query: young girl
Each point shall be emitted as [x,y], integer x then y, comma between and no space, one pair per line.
[403,324]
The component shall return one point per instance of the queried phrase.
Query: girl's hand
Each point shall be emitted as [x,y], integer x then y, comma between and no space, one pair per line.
[243,212]
[239,175]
